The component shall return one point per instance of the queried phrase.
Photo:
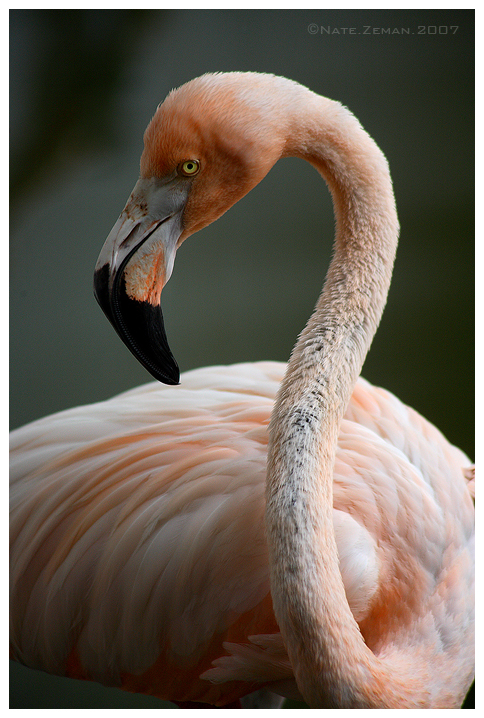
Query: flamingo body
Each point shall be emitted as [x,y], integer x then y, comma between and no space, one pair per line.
[139,546]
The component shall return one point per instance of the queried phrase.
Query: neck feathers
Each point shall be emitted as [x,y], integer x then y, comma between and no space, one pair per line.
[308,594]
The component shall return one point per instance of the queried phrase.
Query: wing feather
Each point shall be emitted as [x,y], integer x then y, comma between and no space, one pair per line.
[137,524]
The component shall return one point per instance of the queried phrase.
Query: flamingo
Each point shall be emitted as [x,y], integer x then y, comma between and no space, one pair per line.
[259,530]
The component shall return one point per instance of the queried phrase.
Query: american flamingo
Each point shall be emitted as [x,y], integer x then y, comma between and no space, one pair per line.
[152,549]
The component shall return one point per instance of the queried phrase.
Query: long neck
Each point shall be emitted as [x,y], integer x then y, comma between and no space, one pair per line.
[332,664]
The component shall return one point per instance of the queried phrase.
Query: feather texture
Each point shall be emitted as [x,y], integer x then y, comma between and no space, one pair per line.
[138,523]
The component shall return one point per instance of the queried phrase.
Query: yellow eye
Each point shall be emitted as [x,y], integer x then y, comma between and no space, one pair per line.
[189,168]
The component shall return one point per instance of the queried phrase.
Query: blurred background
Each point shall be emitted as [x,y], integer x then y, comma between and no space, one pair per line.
[83,86]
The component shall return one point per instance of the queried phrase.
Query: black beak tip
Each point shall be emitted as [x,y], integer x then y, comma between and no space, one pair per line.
[170,374]
[139,324]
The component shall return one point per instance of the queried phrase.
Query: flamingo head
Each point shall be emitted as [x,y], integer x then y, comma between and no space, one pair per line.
[208,144]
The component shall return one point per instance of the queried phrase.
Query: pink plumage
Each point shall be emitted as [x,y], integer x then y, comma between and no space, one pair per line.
[140,556]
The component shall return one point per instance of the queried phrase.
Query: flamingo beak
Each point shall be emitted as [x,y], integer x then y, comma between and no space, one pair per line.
[135,263]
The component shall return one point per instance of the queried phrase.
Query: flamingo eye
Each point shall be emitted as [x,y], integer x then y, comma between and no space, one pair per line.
[189,168]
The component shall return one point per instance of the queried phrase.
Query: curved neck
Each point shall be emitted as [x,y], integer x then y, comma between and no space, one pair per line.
[332,664]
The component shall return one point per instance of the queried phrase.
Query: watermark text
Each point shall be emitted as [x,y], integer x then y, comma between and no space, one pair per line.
[315,29]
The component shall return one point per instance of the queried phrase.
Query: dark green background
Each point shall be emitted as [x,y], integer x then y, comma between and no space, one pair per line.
[84,85]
